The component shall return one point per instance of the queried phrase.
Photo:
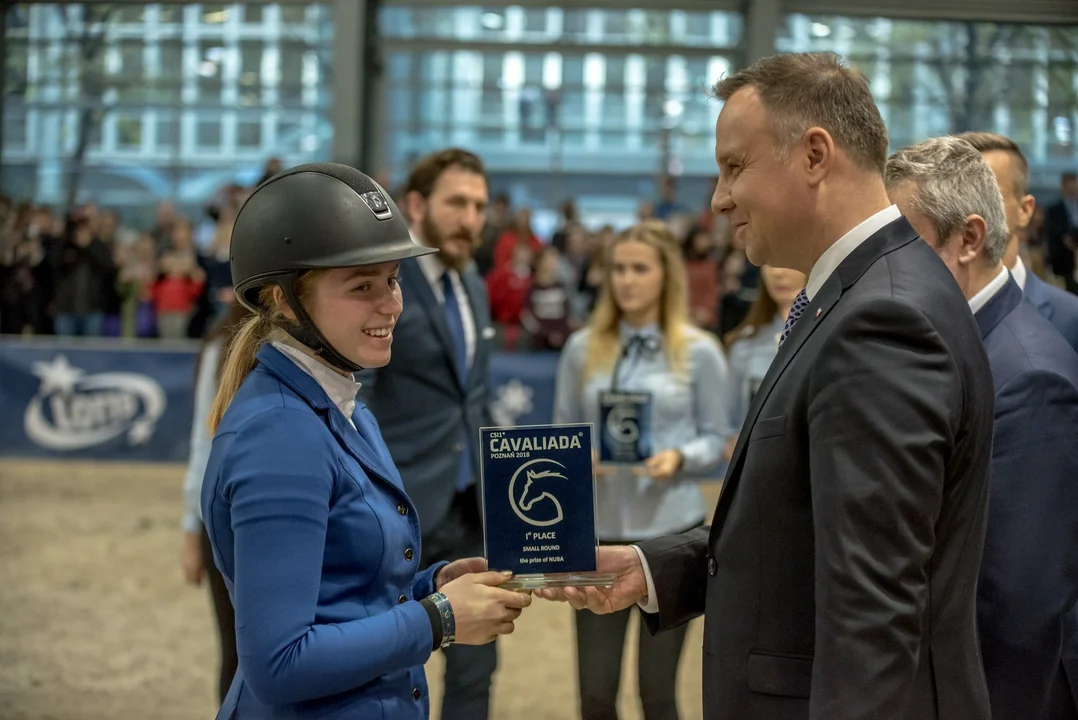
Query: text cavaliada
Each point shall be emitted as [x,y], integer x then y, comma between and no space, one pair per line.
[534,444]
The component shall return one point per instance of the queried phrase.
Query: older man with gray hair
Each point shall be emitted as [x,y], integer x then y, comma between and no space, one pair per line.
[1029,571]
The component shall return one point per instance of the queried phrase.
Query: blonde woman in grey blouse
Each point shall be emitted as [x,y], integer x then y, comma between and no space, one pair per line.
[642,316]
[753,344]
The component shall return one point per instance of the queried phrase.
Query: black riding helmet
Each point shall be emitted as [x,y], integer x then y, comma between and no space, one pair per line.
[314,216]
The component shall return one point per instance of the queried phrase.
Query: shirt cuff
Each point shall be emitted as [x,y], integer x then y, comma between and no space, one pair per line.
[652,605]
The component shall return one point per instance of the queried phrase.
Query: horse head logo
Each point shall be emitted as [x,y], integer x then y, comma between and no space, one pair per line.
[540,509]
[622,424]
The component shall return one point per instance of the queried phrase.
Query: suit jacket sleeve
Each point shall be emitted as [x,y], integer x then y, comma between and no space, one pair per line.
[679,569]
[1029,575]
[883,403]
[278,475]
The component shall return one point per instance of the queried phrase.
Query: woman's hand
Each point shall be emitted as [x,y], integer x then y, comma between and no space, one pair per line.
[459,568]
[194,565]
[662,465]
[482,610]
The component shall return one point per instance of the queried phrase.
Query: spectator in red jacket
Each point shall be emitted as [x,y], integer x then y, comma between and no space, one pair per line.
[519,233]
[176,292]
[508,288]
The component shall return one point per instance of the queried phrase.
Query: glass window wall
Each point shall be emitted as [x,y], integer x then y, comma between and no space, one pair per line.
[149,102]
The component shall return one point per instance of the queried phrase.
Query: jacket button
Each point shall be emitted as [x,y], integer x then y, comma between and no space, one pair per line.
[712,566]
[416,694]
[402,599]
[459,447]
[402,509]
[409,554]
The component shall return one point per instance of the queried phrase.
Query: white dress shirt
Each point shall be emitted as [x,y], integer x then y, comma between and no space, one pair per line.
[341,389]
[821,271]
[833,256]
[1019,272]
[433,269]
[989,291]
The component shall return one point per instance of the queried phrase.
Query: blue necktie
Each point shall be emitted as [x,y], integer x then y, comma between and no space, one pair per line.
[801,303]
[460,354]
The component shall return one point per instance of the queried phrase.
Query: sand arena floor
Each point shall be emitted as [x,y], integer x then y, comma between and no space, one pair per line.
[96,622]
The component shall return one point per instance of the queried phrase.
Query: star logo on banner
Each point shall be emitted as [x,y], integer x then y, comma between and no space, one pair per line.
[57,376]
[141,432]
[514,399]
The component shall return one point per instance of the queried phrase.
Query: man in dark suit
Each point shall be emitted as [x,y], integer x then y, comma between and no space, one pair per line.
[1061,231]
[1012,175]
[838,577]
[1029,574]
[432,398]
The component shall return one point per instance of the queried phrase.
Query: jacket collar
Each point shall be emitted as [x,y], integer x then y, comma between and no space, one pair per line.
[301,382]
[999,307]
[364,442]
[1035,293]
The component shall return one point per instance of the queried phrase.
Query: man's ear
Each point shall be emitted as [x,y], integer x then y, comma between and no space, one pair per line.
[1026,206]
[817,153]
[973,238]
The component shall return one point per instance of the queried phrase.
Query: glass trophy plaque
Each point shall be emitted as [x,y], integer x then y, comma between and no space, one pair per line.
[625,427]
[539,505]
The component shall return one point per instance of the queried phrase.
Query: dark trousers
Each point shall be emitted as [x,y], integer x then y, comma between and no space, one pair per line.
[226,618]
[468,668]
[600,642]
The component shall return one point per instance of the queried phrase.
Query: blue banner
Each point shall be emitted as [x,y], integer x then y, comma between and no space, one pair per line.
[522,388]
[95,401]
[112,400]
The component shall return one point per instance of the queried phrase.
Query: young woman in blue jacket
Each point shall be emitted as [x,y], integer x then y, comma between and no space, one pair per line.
[317,541]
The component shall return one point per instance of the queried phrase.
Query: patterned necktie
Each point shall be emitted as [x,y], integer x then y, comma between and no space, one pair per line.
[801,303]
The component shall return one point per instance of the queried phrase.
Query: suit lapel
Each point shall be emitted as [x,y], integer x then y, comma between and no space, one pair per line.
[419,288]
[364,453]
[814,314]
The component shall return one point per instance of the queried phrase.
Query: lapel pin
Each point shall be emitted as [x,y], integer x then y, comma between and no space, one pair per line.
[818,311]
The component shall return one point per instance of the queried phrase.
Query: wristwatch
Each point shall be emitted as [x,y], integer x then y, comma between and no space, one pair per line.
[445,615]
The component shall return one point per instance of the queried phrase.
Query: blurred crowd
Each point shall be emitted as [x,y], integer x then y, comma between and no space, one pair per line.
[87,273]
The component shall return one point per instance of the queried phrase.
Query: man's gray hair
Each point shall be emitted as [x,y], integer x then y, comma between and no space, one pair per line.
[951,181]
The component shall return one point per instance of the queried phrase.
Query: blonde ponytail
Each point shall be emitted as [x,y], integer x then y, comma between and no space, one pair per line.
[239,355]
[239,362]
